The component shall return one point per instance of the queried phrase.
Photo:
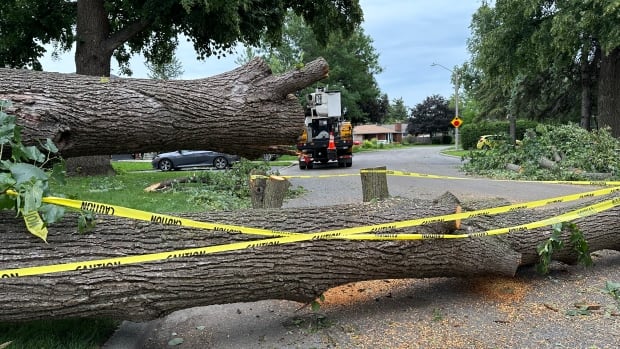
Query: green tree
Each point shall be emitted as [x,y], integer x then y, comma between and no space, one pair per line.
[26,26]
[397,111]
[353,64]
[165,71]
[102,29]
[507,76]
[548,59]
[431,116]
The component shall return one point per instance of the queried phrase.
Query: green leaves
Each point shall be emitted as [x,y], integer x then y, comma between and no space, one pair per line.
[546,249]
[23,184]
[580,245]
[582,154]
[24,173]
[316,304]
[555,243]
[613,289]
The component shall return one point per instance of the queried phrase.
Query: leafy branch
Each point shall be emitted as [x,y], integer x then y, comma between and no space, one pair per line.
[554,243]
[25,175]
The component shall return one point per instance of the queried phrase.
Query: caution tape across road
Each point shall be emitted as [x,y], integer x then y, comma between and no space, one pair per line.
[120,211]
[430,176]
[377,231]
[347,233]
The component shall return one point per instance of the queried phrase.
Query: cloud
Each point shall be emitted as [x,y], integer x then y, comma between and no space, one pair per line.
[409,36]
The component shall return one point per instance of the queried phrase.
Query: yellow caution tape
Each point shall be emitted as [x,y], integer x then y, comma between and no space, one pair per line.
[569,216]
[120,211]
[340,233]
[413,174]
[423,175]
[35,225]
[346,233]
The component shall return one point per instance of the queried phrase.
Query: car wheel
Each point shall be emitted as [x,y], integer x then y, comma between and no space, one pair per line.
[485,147]
[220,163]
[165,165]
[302,165]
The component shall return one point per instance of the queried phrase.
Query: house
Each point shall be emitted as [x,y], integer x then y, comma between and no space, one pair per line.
[383,134]
[399,131]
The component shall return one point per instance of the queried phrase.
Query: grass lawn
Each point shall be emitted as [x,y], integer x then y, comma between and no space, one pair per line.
[127,189]
[459,153]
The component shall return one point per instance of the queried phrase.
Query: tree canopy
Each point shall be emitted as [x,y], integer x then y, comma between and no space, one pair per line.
[104,28]
[541,59]
[397,111]
[431,116]
[353,64]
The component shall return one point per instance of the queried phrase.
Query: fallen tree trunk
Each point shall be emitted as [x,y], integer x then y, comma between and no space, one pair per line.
[243,111]
[297,271]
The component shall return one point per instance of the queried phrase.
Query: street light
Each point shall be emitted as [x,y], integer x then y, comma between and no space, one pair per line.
[456,101]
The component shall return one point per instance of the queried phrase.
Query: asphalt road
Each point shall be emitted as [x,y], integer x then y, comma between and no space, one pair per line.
[384,313]
[422,160]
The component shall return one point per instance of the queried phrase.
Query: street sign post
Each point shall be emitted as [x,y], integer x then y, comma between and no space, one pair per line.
[456,122]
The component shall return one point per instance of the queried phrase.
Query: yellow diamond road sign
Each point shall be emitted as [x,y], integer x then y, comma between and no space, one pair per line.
[456,122]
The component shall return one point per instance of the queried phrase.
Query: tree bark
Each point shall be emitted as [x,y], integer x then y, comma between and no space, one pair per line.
[587,77]
[92,57]
[243,111]
[297,271]
[90,166]
[268,191]
[374,184]
[609,92]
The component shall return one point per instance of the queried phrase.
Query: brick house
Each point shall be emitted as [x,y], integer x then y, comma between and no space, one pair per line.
[383,134]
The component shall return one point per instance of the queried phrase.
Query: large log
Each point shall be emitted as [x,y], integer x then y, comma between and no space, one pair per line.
[243,111]
[298,271]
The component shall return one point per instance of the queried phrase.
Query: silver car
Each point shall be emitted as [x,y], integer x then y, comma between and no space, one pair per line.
[193,158]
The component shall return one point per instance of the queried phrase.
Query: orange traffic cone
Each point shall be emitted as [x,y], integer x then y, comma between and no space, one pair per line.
[332,144]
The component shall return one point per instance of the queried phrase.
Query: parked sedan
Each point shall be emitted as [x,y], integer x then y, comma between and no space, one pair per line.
[193,158]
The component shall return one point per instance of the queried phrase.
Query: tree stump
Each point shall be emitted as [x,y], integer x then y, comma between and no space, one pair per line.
[268,192]
[374,184]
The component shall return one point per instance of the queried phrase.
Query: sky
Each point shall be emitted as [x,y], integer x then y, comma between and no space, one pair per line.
[408,35]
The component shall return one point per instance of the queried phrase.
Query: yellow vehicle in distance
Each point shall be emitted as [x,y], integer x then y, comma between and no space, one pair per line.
[486,142]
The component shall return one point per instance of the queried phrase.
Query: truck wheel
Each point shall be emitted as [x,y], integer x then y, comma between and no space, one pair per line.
[349,163]
[302,165]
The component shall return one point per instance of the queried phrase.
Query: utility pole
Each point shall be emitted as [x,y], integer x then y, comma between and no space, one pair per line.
[456,101]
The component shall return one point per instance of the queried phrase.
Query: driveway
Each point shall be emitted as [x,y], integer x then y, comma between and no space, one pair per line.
[527,311]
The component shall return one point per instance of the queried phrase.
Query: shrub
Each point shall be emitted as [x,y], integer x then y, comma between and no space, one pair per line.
[581,153]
